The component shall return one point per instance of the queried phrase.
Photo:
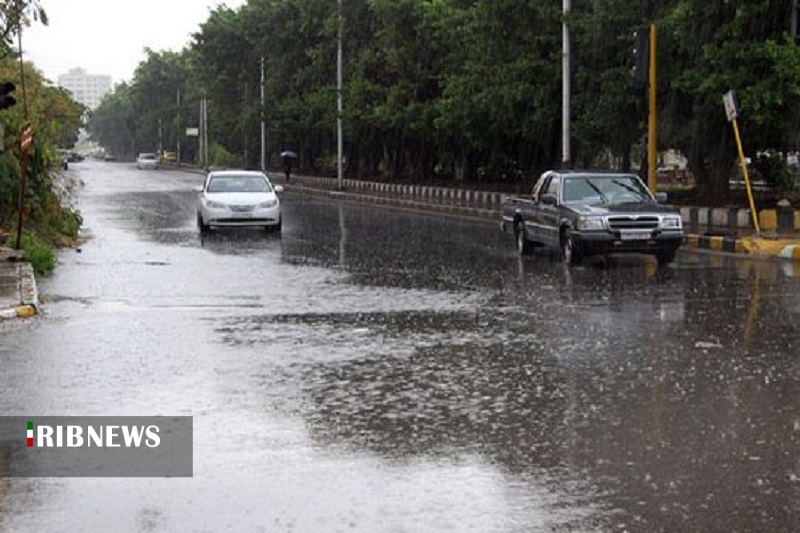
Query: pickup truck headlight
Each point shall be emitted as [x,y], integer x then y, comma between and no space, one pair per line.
[591,223]
[673,222]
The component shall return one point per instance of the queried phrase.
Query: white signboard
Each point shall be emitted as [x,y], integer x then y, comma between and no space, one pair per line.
[729,99]
[192,132]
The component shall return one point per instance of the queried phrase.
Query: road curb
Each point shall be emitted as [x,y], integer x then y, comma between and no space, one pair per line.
[750,245]
[27,304]
[489,206]
[791,252]
[21,311]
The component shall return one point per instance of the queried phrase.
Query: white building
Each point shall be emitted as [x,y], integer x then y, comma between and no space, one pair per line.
[88,89]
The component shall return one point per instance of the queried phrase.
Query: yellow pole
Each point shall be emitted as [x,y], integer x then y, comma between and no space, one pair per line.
[743,164]
[652,141]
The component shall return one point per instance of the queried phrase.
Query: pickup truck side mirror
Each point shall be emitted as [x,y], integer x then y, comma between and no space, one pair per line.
[549,199]
[661,197]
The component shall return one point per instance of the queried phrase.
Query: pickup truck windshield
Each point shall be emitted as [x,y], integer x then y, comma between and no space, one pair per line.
[597,190]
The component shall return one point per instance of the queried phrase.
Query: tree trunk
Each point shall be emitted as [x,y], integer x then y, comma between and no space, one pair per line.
[712,169]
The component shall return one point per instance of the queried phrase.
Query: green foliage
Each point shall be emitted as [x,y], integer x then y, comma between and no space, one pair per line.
[463,89]
[773,169]
[218,156]
[14,15]
[47,221]
[37,252]
[9,181]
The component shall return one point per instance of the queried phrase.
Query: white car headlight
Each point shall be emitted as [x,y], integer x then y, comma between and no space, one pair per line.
[673,222]
[268,203]
[591,223]
[211,204]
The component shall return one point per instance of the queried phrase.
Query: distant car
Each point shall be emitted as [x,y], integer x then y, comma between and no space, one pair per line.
[74,157]
[146,161]
[238,198]
[169,157]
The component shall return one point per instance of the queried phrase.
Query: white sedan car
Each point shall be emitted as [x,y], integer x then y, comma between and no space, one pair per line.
[146,161]
[238,198]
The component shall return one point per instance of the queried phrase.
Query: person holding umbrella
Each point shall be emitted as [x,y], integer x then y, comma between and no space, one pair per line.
[288,157]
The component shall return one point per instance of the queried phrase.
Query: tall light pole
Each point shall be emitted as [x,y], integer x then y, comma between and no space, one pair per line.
[652,117]
[180,130]
[263,124]
[565,89]
[339,142]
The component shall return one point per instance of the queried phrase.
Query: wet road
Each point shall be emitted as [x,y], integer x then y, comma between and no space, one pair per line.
[376,370]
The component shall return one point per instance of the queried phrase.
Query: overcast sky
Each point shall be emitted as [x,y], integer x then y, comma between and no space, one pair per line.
[109,36]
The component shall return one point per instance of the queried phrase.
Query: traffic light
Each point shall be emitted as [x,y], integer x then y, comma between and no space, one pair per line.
[6,100]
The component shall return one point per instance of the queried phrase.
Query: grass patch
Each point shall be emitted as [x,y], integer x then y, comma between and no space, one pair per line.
[38,253]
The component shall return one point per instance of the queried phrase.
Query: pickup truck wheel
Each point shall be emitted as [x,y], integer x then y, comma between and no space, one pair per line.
[570,250]
[665,257]
[524,246]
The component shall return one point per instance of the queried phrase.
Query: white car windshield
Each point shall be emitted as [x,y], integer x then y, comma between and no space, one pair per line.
[238,183]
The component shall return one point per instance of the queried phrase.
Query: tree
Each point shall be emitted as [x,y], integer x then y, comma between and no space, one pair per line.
[14,15]
[444,89]
[715,47]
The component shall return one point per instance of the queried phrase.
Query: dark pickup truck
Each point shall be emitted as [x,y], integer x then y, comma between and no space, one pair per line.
[584,213]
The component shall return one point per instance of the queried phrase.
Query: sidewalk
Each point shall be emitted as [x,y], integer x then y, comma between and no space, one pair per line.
[18,294]
[781,238]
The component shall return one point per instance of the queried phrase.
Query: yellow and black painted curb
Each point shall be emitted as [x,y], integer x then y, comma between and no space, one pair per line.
[24,301]
[779,220]
[489,206]
[20,311]
[749,245]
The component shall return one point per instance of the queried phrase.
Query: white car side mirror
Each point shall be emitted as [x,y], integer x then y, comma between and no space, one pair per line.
[278,188]
[197,188]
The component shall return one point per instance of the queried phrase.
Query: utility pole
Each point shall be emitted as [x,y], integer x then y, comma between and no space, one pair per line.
[202,155]
[339,142]
[263,123]
[160,144]
[245,137]
[652,118]
[200,136]
[205,133]
[566,157]
[795,5]
[178,137]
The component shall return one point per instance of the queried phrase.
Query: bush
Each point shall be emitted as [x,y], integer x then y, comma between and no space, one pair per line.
[41,255]
[773,169]
[218,156]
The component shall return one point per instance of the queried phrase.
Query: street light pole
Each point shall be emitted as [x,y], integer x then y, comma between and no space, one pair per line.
[565,92]
[180,130]
[339,142]
[263,124]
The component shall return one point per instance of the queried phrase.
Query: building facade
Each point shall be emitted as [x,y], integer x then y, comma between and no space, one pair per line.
[88,89]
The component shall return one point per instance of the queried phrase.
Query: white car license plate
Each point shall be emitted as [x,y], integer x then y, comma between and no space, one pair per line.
[635,235]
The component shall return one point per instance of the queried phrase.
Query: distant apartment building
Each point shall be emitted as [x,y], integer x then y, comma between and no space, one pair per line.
[88,89]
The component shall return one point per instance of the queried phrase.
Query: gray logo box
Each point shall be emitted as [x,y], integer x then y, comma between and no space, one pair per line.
[171,457]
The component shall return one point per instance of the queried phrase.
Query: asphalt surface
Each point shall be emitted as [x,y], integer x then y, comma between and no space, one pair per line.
[377,369]
[19,298]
